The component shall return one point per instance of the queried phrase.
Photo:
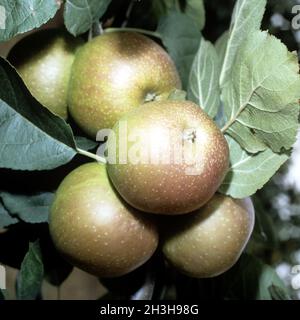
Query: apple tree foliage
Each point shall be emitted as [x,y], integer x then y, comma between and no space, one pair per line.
[248,82]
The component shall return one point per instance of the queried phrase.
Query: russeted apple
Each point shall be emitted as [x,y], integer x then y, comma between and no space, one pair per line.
[114,73]
[170,157]
[43,60]
[94,229]
[209,241]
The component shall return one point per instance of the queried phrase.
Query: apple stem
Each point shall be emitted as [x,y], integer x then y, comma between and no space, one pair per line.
[91,155]
[147,32]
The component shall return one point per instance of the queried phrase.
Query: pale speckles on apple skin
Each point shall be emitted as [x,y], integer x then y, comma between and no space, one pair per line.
[44,62]
[221,228]
[107,240]
[178,192]
[112,74]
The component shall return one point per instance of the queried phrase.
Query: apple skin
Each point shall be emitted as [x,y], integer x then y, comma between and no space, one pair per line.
[208,242]
[169,188]
[114,73]
[94,229]
[44,60]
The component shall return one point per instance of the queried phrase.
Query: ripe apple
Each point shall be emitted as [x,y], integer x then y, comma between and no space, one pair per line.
[176,157]
[43,60]
[94,229]
[114,73]
[209,241]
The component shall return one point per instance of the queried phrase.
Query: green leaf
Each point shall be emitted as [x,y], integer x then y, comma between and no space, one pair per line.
[247,172]
[264,230]
[261,100]
[246,138]
[246,18]
[221,45]
[177,95]
[194,9]
[181,37]
[80,15]
[2,296]
[22,16]
[85,143]
[204,79]
[31,274]
[5,218]
[31,137]
[278,293]
[162,7]
[251,279]
[30,209]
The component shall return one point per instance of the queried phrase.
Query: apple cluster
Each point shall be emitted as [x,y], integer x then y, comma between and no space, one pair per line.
[109,219]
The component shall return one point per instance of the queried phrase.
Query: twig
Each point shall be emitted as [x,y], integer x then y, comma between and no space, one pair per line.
[91,155]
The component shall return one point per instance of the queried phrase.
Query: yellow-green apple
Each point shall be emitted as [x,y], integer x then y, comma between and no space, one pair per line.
[114,73]
[170,157]
[44,60]
[209,241]
[96,230]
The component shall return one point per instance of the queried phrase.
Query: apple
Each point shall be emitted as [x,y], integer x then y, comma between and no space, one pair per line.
[209,241]
[114,73]
[44,60]
[94,229]
[175,160]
